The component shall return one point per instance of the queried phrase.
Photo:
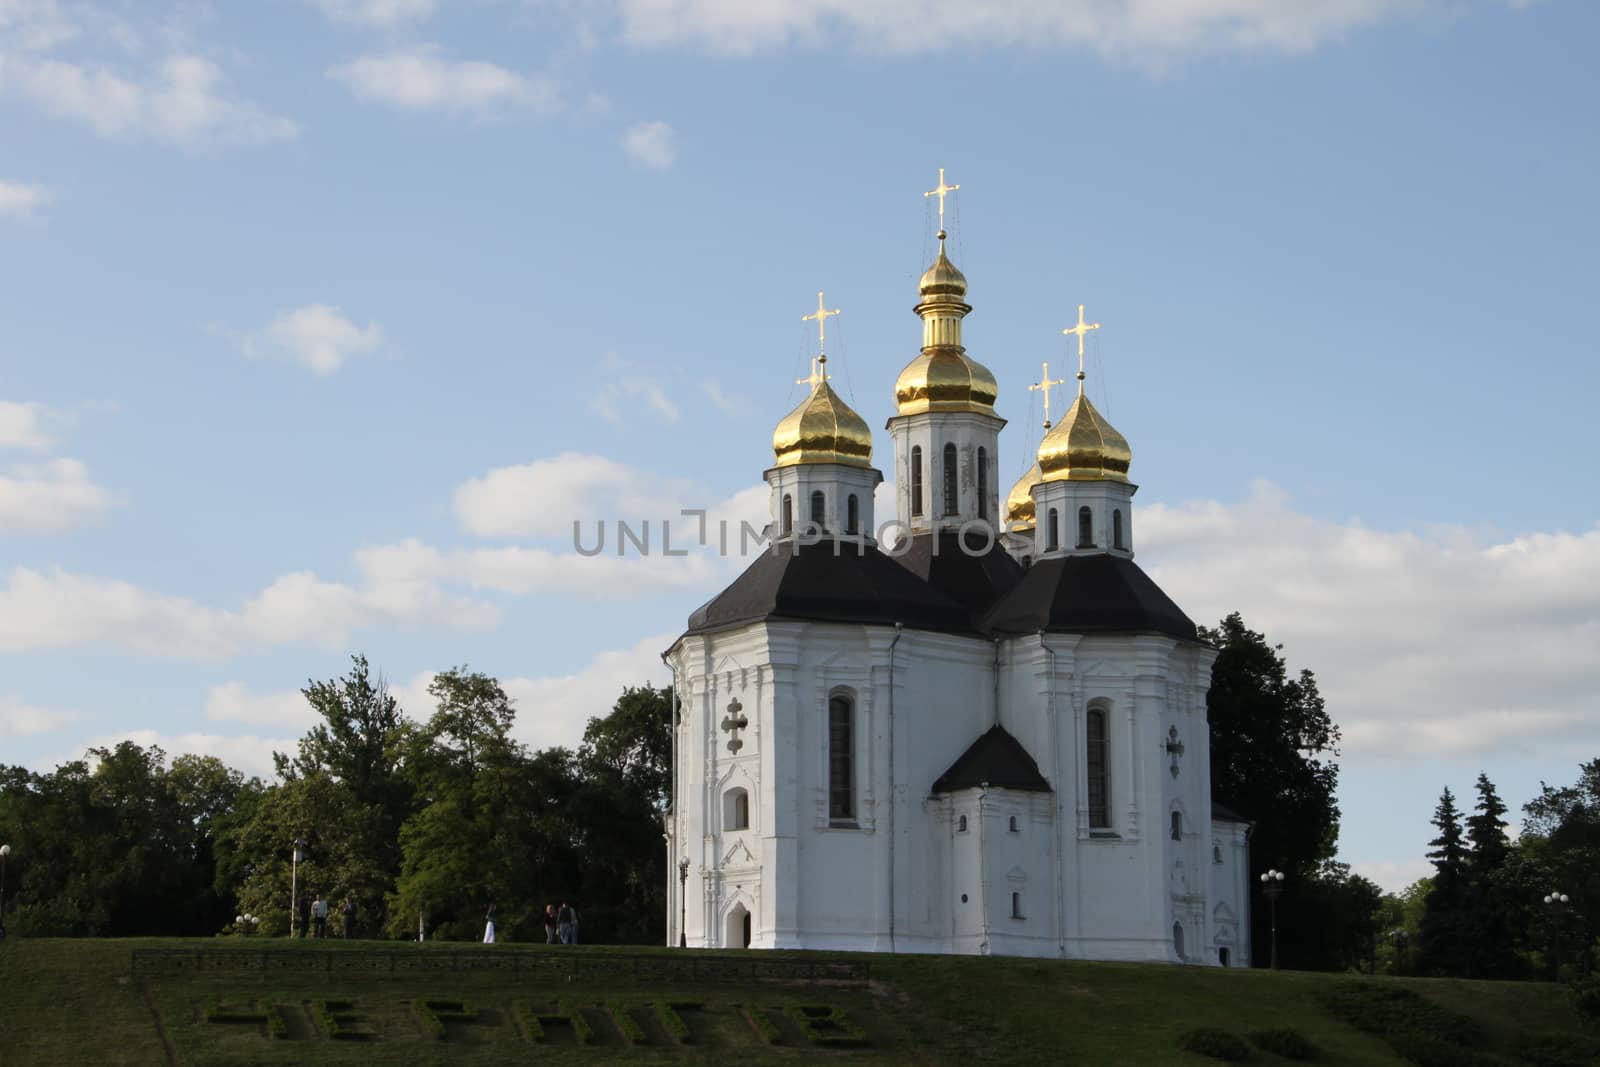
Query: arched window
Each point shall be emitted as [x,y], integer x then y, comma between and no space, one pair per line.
[951,501]
[961,824]
[852,520]
[916,479]
[1097,769]
[1016,905]
[1013,824]
[736,809]
[819,508]
[841,760]
[1222,955]
[983,483]
[1177,826]
[1116,529]
[1052,533]
[787,519]
[1085,528]
[1216,853]
[1177,940]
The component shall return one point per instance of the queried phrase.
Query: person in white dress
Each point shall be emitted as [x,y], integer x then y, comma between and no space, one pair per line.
[488,926]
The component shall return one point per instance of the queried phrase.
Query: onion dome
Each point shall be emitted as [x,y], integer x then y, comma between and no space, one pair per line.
[1083,447]
[1019,502]
[944,377]
[822,429]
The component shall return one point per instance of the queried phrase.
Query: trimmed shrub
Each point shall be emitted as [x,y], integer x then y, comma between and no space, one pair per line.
[1288,1043]
[1218,1044]
[264,1013]
[627,1025]
[1426,1050]
[824,1024]
[1385,1010]
[339,1019]
[433,1013]
[761,1024]
[671,1021]
[580,1023]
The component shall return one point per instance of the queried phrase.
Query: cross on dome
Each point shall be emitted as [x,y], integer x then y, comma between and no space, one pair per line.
[821,317]
[941,191]
[1043,384]
[1082,330]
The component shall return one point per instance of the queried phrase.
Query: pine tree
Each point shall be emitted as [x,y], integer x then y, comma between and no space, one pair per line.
[1486,832]
[1443,942]
[1486,918]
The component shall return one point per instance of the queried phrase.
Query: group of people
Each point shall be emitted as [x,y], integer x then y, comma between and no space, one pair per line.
[313,915]
[560,925]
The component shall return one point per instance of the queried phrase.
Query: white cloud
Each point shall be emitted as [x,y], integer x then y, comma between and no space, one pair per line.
[58,609]
[1448,642]
[233,702]
[50,496]
[420,79]
[544,497]
[22,425]
[1139,27]
[522,570]
[183,101]
[378,14]
[651,144]
[19,200]
[23,720]
[722,401]
[618,402]
[1392,876]
[317,337]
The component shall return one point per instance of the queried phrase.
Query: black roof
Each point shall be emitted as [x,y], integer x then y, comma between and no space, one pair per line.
[1088,594]
[1223,813]
[975,575]
[996,759]
[857,583]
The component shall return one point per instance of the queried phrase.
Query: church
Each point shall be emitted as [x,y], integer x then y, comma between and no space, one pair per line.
[984,735]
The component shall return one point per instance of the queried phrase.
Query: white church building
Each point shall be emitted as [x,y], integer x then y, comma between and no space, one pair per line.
[959,742]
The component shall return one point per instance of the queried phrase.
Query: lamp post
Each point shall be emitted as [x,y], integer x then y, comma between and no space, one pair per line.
[5,851]
[683,902]
[294,880]
[1272,885]
[1557,901]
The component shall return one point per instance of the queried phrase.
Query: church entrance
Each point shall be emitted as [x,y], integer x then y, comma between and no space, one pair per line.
[737,930]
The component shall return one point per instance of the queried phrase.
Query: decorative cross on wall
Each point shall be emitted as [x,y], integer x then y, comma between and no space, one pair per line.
[733,723]
[1174,748]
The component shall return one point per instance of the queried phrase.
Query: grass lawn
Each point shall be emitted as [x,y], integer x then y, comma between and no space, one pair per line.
[79,1001]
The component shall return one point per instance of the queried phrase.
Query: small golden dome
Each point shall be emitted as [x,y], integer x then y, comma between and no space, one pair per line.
[1019,502]
[822,429]
[1084,447]
[942,279]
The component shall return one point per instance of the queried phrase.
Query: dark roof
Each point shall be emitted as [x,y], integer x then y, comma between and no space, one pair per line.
[975,576]
[1223,813]
[1088,594]
[858,584]
[996,759]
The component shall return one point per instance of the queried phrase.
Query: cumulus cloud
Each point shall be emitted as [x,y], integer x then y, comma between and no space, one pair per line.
[317,337]
[378,14]
[184,100]
[42,609]
[50,496]
[1158,27]
[23,425]
[19,719]
[651,144]
[543,498]
[1447,641]
[20,200]
[422,79]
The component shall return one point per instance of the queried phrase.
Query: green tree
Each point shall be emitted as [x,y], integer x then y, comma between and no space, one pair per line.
[1490,918]
[1561,835]
[1444,944]
[1271,743]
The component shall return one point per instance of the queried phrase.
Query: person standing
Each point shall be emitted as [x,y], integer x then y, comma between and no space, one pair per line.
[566,922]
[549,924]
[488,926]
[305,915]
[347,911]
[319,916]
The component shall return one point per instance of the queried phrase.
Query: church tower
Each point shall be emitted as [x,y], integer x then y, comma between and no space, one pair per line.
[946,433]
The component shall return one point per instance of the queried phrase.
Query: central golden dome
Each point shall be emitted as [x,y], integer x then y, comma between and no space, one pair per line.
[944,377]
[822,429]
[1019,502]
[1084,447]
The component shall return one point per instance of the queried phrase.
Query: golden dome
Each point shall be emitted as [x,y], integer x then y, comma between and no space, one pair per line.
[822,429]
[1019,502]
[942,279]
[944,377]
[1084,447]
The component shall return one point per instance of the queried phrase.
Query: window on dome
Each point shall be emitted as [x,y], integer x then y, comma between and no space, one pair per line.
[952,503]
[1085,528]
[1052,533]
[1116,529]
[916,480]
[819,508]
[983,483]
[786,520]
[841,760]
[852,522]
[1097,769]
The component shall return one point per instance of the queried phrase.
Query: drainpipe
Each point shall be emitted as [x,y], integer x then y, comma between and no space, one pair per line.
[673,845]
[983,872]
[899,632]
[1061,833]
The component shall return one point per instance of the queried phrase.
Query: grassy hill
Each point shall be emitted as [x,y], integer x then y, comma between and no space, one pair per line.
[255,1001]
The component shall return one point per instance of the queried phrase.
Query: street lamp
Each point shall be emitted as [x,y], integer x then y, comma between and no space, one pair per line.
[1272,885]
[294,879]
[5,850]
[683,902]
[1557,900]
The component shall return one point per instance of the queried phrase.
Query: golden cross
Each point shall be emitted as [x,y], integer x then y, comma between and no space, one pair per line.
[821,315]
[941,192]
[818,373]
[1082,330]
[1043,384]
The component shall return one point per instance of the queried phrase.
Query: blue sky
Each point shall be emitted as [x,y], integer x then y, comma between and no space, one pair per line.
[319,322]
